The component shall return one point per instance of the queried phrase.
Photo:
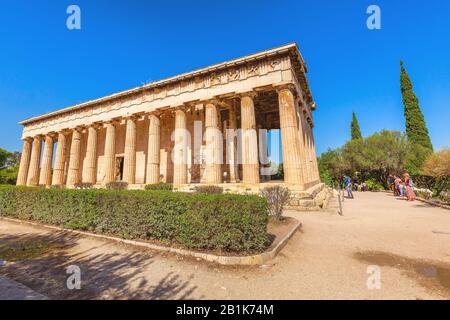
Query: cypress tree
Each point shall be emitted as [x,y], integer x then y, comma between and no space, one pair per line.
[416,129]
[356,131]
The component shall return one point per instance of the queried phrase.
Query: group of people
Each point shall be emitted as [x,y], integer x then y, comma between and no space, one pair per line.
[400,188]
[403,188]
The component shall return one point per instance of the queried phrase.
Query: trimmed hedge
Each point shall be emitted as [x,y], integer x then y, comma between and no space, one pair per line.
[197,221]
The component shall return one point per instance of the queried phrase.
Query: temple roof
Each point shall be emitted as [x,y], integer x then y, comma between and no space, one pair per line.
[292,49]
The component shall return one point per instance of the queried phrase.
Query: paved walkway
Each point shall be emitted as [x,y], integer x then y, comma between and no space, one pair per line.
[12,290]
[409,243]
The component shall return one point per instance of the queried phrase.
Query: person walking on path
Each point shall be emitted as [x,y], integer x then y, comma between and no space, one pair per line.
[348,186]
[410,195]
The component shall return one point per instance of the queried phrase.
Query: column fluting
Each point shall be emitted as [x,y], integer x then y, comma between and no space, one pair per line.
[74,176]
[250,164]
[58,170]
[180,148]
[290,129]
[24,162]
[33,172]
[153,150]
[45,178]
[129,164]
[90,162]
[110,154]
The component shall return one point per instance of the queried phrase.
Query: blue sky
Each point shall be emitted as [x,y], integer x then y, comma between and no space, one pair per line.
[123,44]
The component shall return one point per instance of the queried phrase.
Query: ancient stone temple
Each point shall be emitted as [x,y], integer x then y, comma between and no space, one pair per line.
[209,126]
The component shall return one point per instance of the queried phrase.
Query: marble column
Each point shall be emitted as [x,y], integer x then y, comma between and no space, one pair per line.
[110,154]
[309,149]
[74,174]
[90,162]
[59,168]
[129,162]
[24,162]
[153,150]
[231,145]
[315,166]
[250,165]
[214,149]
[180,148]
[303,134]
[45,178]
[33,172]
[290,128]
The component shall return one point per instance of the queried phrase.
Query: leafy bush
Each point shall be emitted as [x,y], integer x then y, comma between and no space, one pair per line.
[117,185]
[198,221]
[445,197]
[209,189]
[159,186]
[373,185]
[277,197]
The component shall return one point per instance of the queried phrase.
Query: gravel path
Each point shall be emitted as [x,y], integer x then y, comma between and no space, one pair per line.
[409,243]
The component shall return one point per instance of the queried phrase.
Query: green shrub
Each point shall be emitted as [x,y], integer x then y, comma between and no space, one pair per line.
[159,186]
[117,185]
[373,185]
[209,189]
[225,222]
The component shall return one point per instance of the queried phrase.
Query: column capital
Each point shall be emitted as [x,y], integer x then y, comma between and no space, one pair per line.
[133,117]
[38,137]
[114,122]
[284,87]
[248,94]
[95,125]
[27,139]
[154,114]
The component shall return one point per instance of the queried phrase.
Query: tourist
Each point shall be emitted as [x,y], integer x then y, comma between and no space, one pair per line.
[410,195]
[391,182]
[348,186]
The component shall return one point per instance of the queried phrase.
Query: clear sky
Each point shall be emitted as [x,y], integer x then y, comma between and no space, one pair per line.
[123,44]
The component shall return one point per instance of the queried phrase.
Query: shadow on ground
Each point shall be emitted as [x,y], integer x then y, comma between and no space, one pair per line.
[434,275]
[40,262]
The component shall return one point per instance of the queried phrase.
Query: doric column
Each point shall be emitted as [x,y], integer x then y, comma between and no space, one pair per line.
[180,148]
[250,165]
[231,144]
[24,162]
[90,162]
[309,152]
[58,170]
[290,129]
[129,162]
[45,179]
[74,176]
[153,150]
[214,149]
[33,172]
[315,166]
[110,154]
[303,134]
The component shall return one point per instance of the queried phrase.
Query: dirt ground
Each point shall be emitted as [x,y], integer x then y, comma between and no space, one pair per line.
[409,243]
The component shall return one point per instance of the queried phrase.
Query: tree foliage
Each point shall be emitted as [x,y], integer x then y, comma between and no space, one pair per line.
[355,129]
[375,157]
[437,166]
[9,166]
[416,129]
